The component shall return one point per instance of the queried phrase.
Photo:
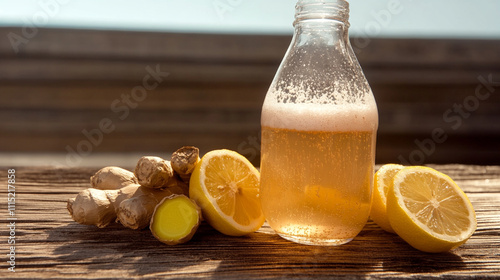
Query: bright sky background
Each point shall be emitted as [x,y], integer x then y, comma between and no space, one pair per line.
[411,18]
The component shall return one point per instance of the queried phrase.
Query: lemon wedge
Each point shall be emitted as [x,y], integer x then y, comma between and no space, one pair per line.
[226,187]
[429,210]
[382,183]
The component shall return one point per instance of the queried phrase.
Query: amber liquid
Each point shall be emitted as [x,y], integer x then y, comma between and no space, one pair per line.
[316,186]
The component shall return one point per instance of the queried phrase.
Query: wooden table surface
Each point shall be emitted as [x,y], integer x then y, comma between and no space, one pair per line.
[50,245]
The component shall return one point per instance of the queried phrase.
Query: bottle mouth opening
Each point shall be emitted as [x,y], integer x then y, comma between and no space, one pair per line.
[337,10]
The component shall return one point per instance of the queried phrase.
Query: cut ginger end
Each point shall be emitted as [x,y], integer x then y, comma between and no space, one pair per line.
[175,219]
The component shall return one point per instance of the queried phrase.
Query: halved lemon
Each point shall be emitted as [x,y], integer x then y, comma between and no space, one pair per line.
[226,187]
[429,210]
[382,183]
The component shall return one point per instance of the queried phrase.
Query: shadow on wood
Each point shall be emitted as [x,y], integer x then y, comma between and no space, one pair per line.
[212,254]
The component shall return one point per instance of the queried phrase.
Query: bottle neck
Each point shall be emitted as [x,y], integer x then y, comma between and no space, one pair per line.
[322,11]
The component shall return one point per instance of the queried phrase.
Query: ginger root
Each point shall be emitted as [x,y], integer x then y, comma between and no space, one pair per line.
[132,206]
[184,160]
[129,198]
[157,173]
[153,172]
[136,212]
[175,219]
[98,207]
[112,178]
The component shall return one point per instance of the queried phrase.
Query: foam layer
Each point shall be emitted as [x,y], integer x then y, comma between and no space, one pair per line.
[327,117]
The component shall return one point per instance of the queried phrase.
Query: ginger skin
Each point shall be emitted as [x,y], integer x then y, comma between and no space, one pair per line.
[153,172]
[112,178]
[184,160]
[98,207]
[157,173]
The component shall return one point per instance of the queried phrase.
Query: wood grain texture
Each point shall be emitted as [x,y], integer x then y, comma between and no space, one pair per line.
[64,81]
[50,245]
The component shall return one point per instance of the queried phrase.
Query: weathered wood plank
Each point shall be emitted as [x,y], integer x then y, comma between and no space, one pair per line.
[51,245]
[64,81]
[100,96]
[56,69]
[117,55]
[78,69]
[116,45]
[53,116]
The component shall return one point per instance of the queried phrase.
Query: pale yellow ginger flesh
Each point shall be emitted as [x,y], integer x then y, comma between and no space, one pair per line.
[175,220]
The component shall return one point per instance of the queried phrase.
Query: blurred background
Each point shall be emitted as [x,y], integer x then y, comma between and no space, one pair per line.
[102,83]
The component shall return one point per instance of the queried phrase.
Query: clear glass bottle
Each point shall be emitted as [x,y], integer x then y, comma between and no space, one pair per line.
[319,124]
